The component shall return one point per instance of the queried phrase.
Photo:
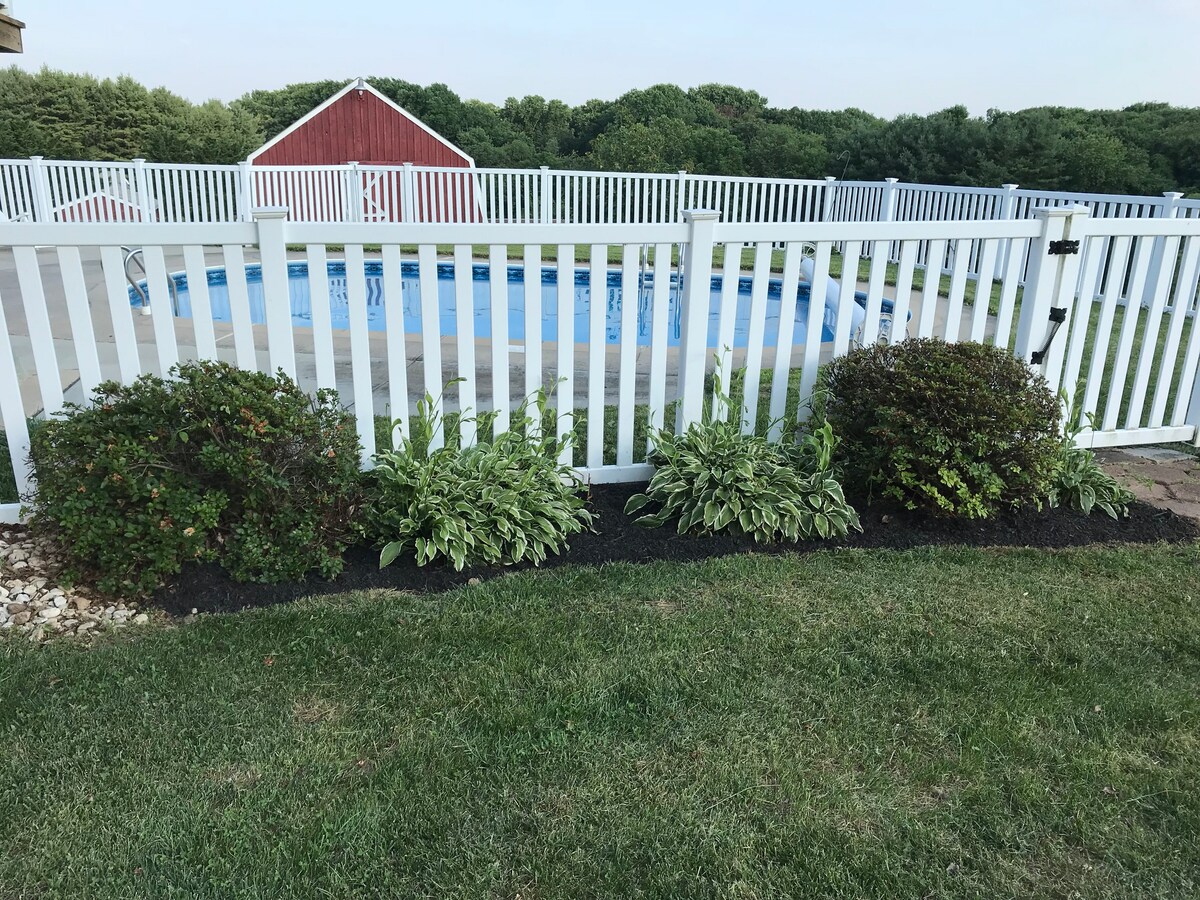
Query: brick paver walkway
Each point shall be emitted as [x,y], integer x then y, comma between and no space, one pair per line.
[1165,478]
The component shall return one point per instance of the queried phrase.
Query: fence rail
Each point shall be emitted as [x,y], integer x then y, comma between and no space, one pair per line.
[634,338]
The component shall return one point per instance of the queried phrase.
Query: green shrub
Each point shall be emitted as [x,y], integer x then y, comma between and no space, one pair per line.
[1078,481]
[214,463]
[712,477]
[949,429]
[500,501]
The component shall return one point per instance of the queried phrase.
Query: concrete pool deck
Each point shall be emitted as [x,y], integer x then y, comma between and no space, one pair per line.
[56,306]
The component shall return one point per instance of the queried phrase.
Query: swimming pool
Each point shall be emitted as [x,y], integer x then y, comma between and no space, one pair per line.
[410,299]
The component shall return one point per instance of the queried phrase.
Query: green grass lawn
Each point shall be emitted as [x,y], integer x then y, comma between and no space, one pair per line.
[946,723]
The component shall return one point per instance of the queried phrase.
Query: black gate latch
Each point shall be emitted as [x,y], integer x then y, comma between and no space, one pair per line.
[1064,248]
[1058,315]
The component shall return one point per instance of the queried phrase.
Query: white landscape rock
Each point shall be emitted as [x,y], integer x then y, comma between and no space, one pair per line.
[35,605]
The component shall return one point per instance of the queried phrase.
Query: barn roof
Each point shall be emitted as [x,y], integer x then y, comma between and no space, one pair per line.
[363,85]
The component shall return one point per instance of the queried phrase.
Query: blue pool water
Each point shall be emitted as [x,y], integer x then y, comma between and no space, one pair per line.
[302,300]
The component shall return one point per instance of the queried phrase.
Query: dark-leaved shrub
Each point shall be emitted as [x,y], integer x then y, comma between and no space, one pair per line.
[961,429]
[213,463]
[504,500]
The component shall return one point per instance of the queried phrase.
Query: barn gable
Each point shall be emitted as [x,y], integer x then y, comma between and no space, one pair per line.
[359,124]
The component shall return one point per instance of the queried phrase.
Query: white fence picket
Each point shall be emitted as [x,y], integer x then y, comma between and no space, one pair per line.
[239,306]
[596,352]
[565,363]
[322,323]
[659,313]
[360,350]
[498,307]
[755,335]
[464,325]
[41,338]
[397,348]
[431,334]
[201,305]
[121,312]
[532,345]
[784,344]
[79,315]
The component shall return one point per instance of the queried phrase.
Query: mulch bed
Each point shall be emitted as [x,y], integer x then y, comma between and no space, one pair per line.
[206,588]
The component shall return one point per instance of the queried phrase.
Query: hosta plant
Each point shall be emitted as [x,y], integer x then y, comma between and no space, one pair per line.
[1078,481]
[503,501]
[712,478]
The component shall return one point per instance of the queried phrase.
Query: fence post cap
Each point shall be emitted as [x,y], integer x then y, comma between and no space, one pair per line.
[1060,212]
[829,178]
[891,180]
[701,215]
[1173,195]
[269,212]
[1009,187]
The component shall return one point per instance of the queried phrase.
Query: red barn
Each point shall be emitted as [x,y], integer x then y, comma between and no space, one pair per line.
[360,125]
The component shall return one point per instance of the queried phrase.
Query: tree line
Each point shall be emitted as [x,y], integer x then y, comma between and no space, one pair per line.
[711,129]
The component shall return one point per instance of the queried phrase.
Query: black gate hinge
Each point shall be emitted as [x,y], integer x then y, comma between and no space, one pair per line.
[1064,248]
[1058,315]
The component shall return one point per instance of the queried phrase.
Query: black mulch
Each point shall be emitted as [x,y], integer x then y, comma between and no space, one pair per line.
[207,588]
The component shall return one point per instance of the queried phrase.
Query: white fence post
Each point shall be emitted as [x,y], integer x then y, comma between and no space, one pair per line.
[680,204]
[1168,208]
[277,305]
[1008,203]
[142,186]
[544,195]
[1050,290]
[1007,211]
[887,208]
[354,192]
[39,180]
[695,294]
[246,201]
[407,194]
[827,199]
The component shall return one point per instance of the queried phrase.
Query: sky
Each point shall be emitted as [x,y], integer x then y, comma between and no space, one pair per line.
[911,56]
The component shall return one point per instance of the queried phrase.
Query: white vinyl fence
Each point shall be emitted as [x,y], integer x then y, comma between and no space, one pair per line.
[437,311]
[40,190]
